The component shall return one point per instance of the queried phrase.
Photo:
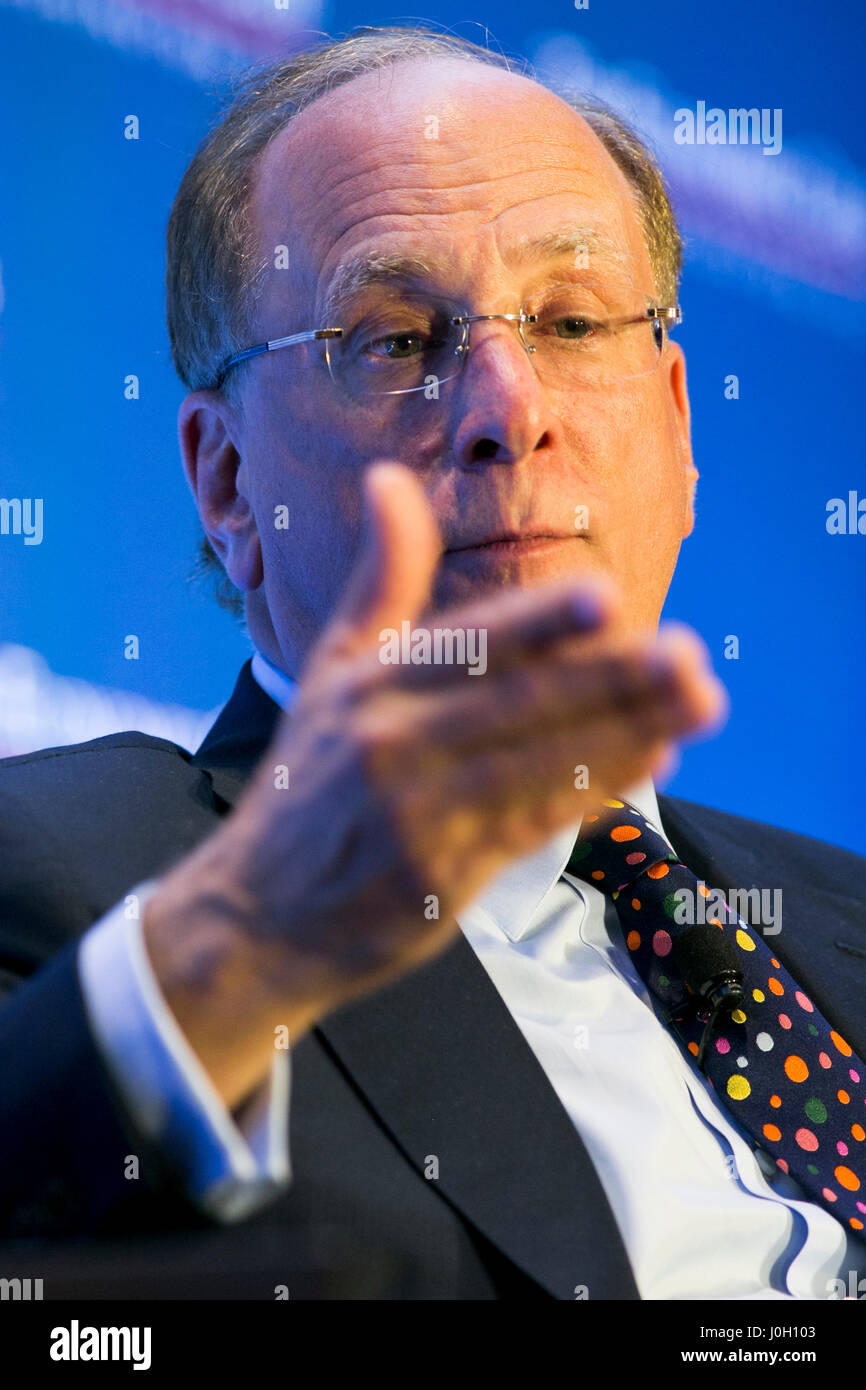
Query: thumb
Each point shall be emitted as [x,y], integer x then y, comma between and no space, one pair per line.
[397,558]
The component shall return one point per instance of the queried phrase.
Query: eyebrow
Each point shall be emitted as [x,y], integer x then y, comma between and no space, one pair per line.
[352,277]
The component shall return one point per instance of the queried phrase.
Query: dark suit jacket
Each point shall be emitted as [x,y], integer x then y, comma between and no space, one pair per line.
[431,1065]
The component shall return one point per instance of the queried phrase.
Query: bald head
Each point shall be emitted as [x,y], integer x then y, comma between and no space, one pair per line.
[456,153]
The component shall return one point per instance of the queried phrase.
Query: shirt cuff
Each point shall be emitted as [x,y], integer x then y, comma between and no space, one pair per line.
[230,1167]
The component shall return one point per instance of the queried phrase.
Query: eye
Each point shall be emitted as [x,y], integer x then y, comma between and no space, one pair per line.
[575,328]
[586,310]
[568,314]
[400,336]
[397,346]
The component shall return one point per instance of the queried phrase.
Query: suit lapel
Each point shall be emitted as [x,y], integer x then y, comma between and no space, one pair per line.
[448,1072]
[238,739]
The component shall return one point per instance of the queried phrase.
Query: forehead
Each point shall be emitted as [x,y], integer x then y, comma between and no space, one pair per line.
[459,164]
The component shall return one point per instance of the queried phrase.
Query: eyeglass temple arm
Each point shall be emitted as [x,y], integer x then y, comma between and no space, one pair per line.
[669,315]
[275,343]
[673,315]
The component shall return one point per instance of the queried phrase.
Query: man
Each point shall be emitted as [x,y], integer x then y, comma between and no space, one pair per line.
[378,895]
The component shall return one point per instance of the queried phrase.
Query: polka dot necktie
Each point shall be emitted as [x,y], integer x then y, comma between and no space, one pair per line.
[782,1070]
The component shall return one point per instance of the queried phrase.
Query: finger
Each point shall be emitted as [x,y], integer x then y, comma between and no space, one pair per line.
[631,677]
[527,774]
[393,576]
[504,629]
[511,801]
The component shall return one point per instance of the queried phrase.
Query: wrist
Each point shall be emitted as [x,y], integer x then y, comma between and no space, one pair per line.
[215,978]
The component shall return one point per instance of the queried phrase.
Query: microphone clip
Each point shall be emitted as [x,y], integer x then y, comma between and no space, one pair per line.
[718,997]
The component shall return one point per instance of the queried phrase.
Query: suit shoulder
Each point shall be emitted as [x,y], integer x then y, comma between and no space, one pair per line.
[82,823]
[95,748]
[103,783]
[813,858]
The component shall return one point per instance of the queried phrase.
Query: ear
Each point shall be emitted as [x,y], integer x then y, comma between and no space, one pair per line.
[211,447]
[682,420]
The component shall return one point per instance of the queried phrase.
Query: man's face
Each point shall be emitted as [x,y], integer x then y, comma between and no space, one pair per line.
[500,453]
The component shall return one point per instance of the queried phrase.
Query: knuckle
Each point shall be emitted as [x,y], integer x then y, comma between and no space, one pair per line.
[379,734]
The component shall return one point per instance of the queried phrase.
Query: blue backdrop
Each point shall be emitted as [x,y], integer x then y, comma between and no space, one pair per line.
[773,293]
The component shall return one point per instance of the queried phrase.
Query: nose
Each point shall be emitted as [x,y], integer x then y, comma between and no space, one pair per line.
[504,413]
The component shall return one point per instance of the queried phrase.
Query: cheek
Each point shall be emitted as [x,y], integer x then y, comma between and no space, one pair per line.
[303,458]
[307,562]
[625,453]
[609,444]
[637,439]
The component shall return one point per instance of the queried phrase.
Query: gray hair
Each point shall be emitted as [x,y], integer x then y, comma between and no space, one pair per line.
[214,271]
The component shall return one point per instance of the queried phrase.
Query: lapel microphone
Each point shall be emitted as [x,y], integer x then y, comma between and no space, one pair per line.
[708,963]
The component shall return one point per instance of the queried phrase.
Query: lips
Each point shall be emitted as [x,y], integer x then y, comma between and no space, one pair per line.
[512,539]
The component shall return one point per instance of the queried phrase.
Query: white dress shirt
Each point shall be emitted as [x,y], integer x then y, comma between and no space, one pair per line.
[701,1213]
[230,1165]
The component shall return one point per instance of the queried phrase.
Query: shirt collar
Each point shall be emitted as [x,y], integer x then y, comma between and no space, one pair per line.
[514,898]
[274,682]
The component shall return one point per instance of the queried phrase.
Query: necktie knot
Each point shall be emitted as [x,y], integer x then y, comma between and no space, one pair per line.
[615,846]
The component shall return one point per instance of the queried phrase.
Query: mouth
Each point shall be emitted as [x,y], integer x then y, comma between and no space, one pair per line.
[511,544]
